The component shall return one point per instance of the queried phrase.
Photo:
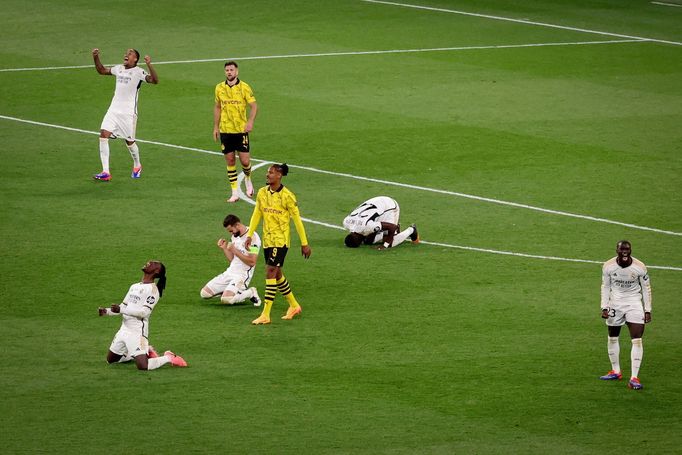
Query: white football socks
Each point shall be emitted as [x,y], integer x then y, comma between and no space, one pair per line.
[400,238]
[636,355]
[135,153]
[156,362]
[104,153]
[613,348]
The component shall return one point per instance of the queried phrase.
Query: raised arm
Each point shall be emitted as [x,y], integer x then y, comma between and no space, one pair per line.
[101,69]
[152,77]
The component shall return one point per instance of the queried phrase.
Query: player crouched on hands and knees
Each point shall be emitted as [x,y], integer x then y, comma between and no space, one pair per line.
[377,221]
[131,340]
[625,299]
[232,284]
[121,118]
[277,205]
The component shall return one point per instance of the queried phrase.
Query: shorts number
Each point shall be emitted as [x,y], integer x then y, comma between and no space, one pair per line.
[274,253]
[612,313]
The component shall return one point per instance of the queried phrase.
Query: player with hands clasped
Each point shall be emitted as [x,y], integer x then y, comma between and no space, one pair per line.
[121,118]
[277,205]
[132,339]
[232,284]
[625,299]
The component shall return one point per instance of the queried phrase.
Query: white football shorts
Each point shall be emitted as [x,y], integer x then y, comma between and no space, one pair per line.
[120,125]
[621,313]
[228,281]
[129,343]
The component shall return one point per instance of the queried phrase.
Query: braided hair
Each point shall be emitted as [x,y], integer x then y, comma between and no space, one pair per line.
[161,284]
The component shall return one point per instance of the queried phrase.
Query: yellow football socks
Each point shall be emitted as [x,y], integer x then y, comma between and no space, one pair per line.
[232,176]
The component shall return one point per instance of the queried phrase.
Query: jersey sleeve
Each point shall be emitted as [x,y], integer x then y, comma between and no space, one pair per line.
[143,75]
[645,283]
[292,208]
[605,288]
[216,93]
[255,218]
[115,70]
[249,97]
[255,244]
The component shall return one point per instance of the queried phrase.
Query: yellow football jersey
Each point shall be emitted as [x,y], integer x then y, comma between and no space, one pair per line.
[277,208]
[233,102]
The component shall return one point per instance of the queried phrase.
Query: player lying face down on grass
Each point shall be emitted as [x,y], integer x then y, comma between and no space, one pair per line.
[132,339]
[277,206]
[377,221]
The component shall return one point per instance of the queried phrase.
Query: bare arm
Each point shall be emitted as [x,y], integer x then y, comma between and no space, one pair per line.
[101,69]
[253,110]
[216,122]
[390,229]
[152,77]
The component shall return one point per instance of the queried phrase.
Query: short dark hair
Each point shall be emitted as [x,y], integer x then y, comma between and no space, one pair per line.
[231,220]
[231,63]
[137,53]
[282,168]
[353,240]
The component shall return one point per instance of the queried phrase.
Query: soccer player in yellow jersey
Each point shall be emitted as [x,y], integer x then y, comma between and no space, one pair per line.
[232,127]
[277,205]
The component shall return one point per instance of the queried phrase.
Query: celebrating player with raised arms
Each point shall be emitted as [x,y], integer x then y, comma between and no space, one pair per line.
[121,118]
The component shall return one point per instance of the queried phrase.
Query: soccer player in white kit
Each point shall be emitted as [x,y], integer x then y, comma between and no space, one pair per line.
[232,284]
[625,299]
[132,339]
[121,118]
[377,220]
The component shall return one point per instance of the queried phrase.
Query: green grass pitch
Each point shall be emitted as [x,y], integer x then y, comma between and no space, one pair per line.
[422,349]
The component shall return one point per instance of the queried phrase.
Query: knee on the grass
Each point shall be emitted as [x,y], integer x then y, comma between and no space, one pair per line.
[206,293]
[228,299]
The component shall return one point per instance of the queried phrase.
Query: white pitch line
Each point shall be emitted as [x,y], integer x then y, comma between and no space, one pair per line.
[521,21]
[383,182]
[666,4]
[333,226]
[349,53]
[245,198]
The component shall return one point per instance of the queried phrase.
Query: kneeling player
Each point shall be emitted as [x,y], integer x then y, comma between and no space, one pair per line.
[232,284]
[131,340]
[377,220]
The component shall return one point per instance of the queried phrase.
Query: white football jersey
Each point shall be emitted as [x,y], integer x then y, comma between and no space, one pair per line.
[128,82]
[625,285]
[139,296]
[237,266]
[367,218]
